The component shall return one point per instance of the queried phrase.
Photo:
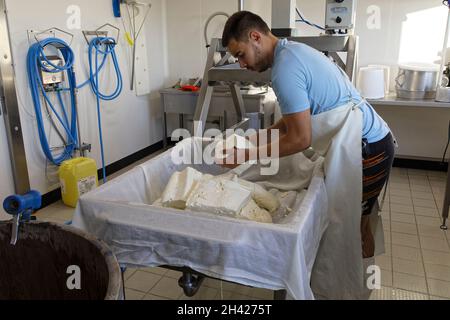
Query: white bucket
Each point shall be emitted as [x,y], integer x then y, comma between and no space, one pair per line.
[371,83]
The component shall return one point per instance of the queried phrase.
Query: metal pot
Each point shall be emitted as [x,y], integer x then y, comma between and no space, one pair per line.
[417,81]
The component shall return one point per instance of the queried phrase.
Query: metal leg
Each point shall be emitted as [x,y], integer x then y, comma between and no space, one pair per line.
[446,205]
[280,295]
[164,122]
[123,269]
[181,120]
[190,283]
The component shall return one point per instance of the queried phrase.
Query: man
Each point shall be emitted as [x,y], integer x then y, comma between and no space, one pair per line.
[307,83]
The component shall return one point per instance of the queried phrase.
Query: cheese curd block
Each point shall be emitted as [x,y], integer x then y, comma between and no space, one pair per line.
[218,196]
[262,197]
[254,213]
[179,187]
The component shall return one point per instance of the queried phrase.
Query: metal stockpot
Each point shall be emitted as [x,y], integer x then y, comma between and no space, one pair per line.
[417,81]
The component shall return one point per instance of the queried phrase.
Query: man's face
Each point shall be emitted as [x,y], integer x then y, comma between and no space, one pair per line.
[250,53]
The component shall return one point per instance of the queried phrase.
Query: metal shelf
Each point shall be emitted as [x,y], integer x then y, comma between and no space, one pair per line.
[392,100]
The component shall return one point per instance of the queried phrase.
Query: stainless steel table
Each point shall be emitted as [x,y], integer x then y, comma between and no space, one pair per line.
[260,104]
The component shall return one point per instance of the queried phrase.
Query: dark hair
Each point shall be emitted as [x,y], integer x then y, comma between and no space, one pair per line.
[239,24]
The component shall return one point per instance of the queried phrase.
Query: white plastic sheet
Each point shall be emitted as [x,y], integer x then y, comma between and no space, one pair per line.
[272,256]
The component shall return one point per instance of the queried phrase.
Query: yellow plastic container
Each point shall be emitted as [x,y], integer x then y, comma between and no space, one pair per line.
[77,177]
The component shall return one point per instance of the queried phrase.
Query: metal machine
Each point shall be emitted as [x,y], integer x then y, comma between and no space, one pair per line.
[232,74]
[340,18]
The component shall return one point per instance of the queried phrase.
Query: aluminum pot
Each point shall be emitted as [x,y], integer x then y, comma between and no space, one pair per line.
[417,81]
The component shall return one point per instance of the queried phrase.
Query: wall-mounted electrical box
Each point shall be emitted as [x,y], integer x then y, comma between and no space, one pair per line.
[340,14]
[50,78]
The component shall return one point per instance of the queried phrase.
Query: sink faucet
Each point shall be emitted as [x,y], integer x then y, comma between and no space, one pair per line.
[21,207]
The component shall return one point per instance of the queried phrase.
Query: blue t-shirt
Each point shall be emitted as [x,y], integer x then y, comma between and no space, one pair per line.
[304,78]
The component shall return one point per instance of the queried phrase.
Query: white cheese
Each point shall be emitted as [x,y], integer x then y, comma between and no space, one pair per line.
[179,187]
[218,196]
[254,213]
[262,197]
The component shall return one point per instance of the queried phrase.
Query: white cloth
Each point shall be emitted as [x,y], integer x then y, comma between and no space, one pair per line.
[272,256]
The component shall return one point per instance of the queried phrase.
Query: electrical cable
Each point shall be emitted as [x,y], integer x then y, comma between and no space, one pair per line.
[205,30]
[303,20]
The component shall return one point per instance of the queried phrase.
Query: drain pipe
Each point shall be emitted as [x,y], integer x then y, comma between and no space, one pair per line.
[240,5]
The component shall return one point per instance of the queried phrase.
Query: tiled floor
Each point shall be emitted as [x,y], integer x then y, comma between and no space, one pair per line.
[416,265]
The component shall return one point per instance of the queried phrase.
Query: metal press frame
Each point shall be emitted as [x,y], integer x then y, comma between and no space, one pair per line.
[215,74]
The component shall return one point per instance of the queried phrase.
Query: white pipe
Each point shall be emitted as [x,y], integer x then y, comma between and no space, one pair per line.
[444,51]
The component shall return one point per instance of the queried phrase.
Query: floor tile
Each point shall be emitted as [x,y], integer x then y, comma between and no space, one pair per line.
[407,253]
[436,257]
[435,244]
[129,272]
[429,212]
[401,200]
[407,240]
[422,195]
[438,298]
[386,278]
[438,272]
[385,293]
[428,221]
[204,293]
[263,294]
[401,227]
[131,294]
[402,209]
[167,288]
[400,192]
[417,172]
[439,288]
[401,217]
[424,203]
[430,231]
[384,262]
[149,296]
[399,186]
[173,274]
[155,270]
[410,282]
[400,294]
[408,266]
[142,281]
[420,188]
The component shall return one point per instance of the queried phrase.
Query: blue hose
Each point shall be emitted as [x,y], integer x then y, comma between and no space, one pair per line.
[103,46]
[36,60]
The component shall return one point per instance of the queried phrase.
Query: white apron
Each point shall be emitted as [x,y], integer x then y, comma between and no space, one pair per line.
[338,272]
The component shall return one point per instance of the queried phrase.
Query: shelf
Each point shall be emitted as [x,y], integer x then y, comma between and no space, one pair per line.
[392,100]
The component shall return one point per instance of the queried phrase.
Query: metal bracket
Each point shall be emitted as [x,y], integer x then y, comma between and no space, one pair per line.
[49,32]
[101,33]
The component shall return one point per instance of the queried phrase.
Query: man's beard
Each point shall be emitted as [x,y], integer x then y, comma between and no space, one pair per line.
[261,64]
